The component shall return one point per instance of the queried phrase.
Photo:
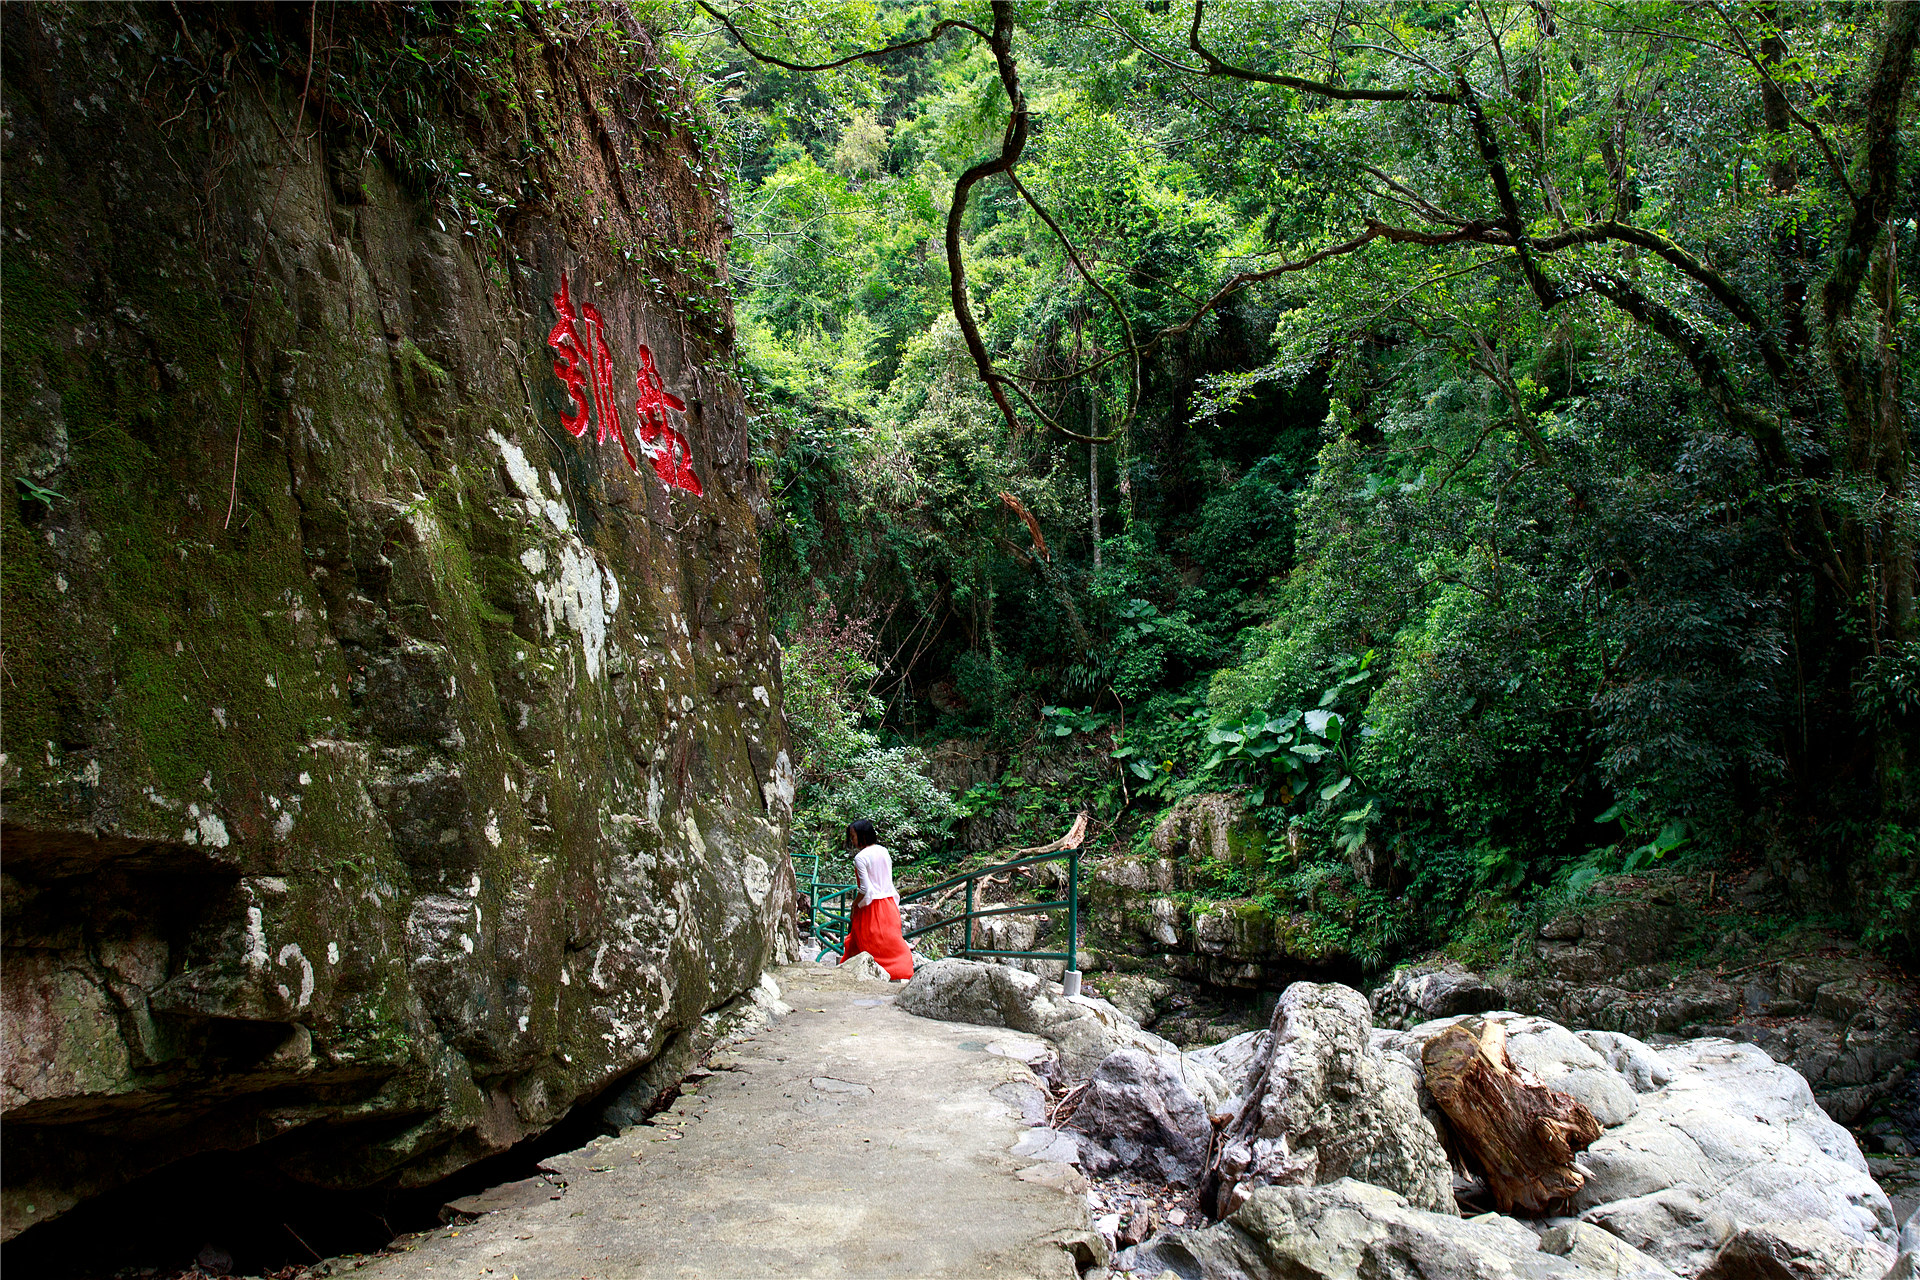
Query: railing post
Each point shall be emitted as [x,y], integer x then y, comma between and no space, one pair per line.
[1070,980]
[967,949]
[1073,911]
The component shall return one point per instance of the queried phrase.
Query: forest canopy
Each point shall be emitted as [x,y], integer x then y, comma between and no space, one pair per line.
[1478,432]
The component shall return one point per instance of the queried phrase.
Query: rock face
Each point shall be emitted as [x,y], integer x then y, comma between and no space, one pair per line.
[1145,909]
[385,770]
[1324,1104]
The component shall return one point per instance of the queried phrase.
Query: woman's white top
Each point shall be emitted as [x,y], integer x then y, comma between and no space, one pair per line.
[873,868]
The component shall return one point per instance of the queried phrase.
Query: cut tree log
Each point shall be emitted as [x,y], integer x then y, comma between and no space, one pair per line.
[1522,1134]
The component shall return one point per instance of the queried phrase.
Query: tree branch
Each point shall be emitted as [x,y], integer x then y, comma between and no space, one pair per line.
[1126,322]
[1878,162]
[939,29]
[1214,66]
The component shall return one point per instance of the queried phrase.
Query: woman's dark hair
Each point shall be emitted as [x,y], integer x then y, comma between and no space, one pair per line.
[860,834]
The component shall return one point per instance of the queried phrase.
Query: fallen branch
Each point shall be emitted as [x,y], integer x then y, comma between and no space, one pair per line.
[1071,840]
[1068,1104]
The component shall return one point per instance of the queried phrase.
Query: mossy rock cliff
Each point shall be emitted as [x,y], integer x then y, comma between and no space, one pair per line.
[385,770]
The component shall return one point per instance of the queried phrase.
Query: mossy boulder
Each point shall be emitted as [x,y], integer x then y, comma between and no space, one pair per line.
[1216,826]
[1177,907]
[384,769]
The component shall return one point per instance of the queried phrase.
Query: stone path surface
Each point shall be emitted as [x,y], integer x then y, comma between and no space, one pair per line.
[847,1139]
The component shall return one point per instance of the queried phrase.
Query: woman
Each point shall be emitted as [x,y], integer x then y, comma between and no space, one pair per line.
[875,928]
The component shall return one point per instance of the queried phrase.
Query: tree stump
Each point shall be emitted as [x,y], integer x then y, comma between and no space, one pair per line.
[1520,1132]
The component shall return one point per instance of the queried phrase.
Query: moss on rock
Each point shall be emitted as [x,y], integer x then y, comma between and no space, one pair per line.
[406,803]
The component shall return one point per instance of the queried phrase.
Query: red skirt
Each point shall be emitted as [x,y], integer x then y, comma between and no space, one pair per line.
[876,931]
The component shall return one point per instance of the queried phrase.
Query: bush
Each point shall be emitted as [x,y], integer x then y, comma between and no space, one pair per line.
[827,676]
[889,787]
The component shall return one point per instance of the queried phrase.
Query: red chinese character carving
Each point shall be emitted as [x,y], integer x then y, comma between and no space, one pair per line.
[666,448]
[572,353]
[600,363]
[672,456]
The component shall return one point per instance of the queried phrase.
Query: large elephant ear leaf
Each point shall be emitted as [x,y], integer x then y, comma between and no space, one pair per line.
[1320,722]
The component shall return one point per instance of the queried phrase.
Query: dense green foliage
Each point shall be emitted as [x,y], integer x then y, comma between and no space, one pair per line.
[1542,507]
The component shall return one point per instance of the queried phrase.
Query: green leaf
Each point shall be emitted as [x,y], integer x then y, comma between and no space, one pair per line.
[1327,698]
[35,493]
[1330,791]
[1311,751]
[1613,812]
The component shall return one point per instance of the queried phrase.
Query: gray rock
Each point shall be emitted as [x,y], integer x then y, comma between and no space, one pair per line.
[1421,993]
[1639,1065]
[1236,1060]
[1137,995]
[865,966]
[1600,1251]
[1796,1251]
[1086,1030]
[1905,1267]
[1141,1118]
[1323,1104]
[1350,1230]
[1739,1138]
[1671,1226]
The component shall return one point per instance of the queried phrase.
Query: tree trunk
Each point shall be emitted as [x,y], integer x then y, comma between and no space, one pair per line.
[1521,1133]
[1093,485]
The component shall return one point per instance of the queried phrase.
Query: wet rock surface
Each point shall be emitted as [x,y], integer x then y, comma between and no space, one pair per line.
[385,770]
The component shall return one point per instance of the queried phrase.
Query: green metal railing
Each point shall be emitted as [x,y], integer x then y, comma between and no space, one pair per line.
[832,915]
[833,908]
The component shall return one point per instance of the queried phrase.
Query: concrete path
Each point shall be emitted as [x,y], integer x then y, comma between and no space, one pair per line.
[847,1139]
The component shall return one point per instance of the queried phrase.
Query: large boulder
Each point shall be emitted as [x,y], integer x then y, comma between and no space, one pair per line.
[1795,1251]
[1702,1139]
[1732,1139]
[1351,1230]
[1142,1118]
[1086,1030]
[1324,1104]
[1421,993]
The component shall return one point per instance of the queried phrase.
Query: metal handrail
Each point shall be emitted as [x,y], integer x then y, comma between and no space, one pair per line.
[1071,903]
[832,914]
[829,924]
